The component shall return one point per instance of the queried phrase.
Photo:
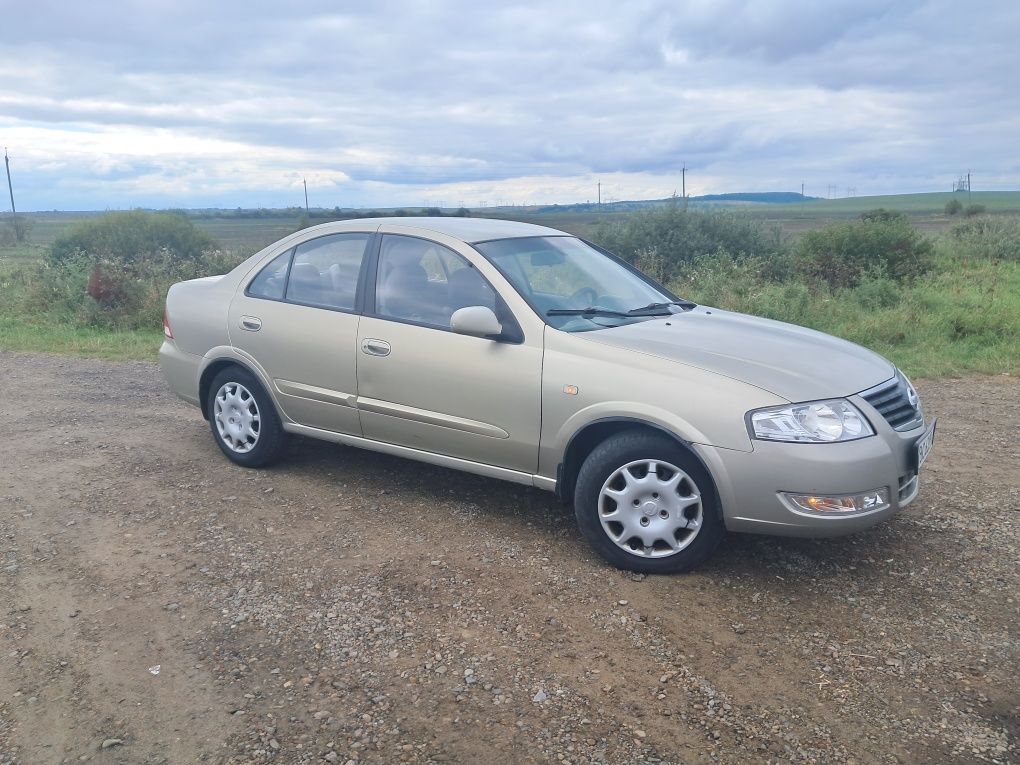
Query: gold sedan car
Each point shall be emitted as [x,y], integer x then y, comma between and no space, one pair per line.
[523,353]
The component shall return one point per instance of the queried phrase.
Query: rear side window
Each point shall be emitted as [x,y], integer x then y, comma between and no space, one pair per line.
[272,279]
[325,271]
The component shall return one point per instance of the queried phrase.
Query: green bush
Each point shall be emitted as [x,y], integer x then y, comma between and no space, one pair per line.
[997,238]
[971,210]
[880,244]
[130,237]
[953,206]
[114,270]
[665,239]
[876,292]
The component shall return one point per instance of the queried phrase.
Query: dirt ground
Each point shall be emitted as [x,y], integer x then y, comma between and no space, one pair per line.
[159,605]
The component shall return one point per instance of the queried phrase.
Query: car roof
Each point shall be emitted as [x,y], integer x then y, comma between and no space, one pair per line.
[466,229]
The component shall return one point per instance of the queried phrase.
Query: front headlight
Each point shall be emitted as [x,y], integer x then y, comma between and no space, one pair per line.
[816,422]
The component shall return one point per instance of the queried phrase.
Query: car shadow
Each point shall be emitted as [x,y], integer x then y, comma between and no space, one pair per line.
[787,558]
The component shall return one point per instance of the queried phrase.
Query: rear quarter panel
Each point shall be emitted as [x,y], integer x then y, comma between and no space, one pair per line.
[197,311]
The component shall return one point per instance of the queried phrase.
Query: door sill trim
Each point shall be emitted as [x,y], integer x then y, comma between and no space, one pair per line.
[407,452]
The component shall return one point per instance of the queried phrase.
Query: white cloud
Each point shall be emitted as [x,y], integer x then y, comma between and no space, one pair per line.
[190,104]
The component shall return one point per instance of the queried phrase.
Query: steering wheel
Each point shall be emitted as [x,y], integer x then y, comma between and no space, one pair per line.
[576,298]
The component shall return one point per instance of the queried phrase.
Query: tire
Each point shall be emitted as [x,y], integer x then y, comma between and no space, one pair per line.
[243,420]
[645,503]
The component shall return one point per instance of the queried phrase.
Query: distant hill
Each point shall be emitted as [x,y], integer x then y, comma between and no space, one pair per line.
[761,197]
[740,198]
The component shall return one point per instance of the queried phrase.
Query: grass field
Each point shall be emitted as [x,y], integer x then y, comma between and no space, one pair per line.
[21,333]
[932,202]
[926,211]
[964,317]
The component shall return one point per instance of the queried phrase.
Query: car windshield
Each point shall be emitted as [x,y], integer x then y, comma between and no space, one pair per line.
[573,286]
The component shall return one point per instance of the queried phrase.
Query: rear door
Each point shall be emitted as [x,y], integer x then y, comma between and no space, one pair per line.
[298,319]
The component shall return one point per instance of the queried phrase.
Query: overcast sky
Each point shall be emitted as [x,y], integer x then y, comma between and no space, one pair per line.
[194,104]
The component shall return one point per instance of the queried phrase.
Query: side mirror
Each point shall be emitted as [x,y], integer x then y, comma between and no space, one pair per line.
[477,321]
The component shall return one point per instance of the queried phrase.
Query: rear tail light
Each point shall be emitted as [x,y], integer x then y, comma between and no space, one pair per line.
[166,327]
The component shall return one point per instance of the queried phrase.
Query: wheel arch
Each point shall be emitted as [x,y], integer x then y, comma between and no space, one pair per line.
[585,440]
[212,369]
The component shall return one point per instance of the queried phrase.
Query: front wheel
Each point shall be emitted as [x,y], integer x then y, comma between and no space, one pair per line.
[644,503]
[243,419]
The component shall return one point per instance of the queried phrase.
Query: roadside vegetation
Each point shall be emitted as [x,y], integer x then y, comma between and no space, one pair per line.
[937,305]
[98,290]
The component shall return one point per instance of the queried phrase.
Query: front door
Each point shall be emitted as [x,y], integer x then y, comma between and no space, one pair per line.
[423,386]
[297,319]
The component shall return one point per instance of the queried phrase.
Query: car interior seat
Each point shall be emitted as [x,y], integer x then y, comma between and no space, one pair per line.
[306,284]
[468,288]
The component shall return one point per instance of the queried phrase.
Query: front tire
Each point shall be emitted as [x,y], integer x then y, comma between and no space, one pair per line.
[645,503]
[243,420]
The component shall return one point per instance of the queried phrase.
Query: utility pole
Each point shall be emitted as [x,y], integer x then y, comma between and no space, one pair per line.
[303,181]
[600,194]
[10,188]
[802,191]
[683,181]
[968,187]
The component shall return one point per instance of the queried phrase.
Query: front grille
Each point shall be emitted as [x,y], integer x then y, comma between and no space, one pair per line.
[892,402]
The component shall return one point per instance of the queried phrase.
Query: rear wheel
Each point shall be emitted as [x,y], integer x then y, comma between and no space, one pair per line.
[243,419]
[644,503]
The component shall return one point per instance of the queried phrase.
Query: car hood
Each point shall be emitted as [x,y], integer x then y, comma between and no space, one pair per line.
[792,362]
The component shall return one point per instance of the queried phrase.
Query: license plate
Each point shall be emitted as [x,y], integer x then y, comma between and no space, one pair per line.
[924,444]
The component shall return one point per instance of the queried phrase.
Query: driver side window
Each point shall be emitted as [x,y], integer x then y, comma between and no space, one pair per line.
[425,283]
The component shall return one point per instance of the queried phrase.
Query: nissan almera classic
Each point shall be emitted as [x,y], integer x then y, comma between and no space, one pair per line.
[520,352]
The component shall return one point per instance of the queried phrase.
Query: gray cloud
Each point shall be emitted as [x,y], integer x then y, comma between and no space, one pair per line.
[393,103]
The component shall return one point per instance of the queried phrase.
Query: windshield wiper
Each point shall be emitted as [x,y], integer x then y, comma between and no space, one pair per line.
[660,309]
[589,311]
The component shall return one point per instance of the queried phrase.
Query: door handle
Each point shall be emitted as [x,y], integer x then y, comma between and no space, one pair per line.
[251,323]
[374,347]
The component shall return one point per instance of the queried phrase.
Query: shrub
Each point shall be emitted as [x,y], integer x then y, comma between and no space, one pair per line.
[971,210]
[881,215]
[953,206]
[114,270]
[995,238]
[881,244]
[130,237]
[875,292]
[665,239]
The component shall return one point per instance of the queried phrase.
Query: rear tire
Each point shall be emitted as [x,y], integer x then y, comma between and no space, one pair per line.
[645,503]
[243,420]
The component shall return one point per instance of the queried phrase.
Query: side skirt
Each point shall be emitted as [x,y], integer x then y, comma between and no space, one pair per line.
[455,463]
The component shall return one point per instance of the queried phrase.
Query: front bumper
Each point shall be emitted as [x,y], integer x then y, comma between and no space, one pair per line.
[750,484]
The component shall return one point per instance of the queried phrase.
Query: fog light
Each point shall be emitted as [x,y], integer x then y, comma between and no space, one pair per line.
[877,499]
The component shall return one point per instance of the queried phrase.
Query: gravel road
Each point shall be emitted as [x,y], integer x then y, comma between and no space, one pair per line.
[160,605]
